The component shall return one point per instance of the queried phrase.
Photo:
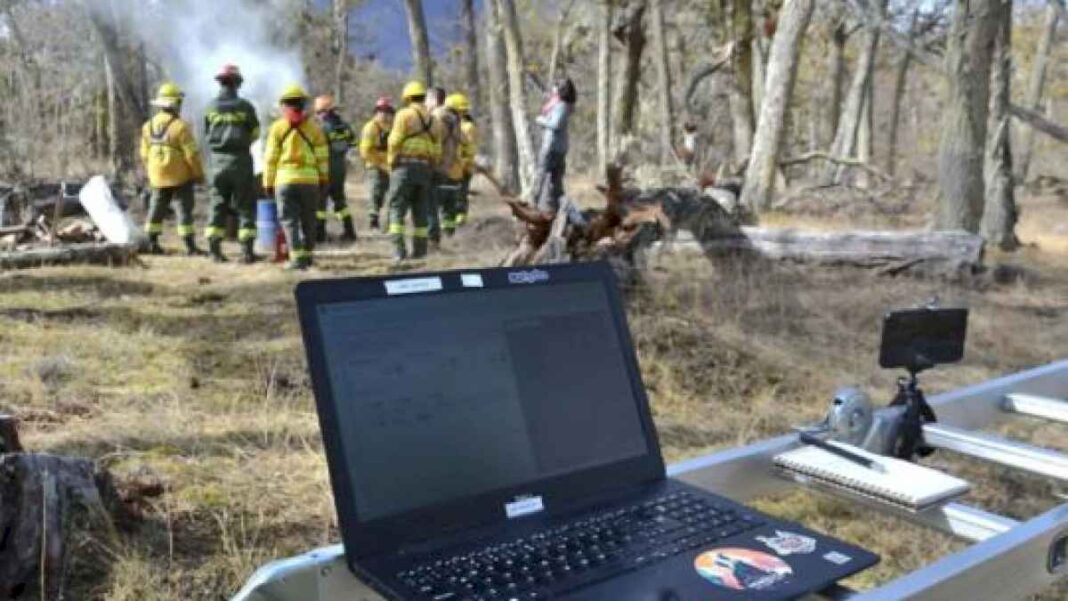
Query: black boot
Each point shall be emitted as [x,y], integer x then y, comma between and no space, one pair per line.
[248,256]
[374,222]
[350,229]
[320,230]
[419,247]
[153,245]
[191,247]
[215,246]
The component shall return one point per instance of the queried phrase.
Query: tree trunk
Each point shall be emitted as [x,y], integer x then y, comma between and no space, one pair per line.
[835,76]
[771,126]
[845,137]
[632,34]
[560,40]
[604,81]
[474,82]
[123,108]
[517,93]
[341,47]
[901,71]
[663,70]
[741,98]
[865,134]
[1036,88]
[999,212]
[960,154]
[506,163]
[420,41]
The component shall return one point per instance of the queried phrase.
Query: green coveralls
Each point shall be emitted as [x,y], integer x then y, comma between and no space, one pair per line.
[410,188]
[230,127]
[341,138]
[160,203]
[379,187]
[299,203]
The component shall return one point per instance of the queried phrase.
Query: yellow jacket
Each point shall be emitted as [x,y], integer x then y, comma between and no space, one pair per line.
[295,155]
[169,152]
[450,159]
[415,136]
[468,146]
[373,145]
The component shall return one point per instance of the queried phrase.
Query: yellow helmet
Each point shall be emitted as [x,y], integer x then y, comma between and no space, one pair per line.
[293,92]
[325,103]
[168,96]
[458,103]
[413,89]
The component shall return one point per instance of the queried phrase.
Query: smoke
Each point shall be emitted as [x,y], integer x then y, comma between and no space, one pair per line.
[192,39]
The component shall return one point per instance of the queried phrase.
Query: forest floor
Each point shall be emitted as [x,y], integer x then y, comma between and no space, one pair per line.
[194,372]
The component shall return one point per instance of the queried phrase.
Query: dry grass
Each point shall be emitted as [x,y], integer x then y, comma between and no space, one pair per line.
[195,372]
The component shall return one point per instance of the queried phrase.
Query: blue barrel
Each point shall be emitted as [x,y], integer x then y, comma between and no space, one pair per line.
[266,225]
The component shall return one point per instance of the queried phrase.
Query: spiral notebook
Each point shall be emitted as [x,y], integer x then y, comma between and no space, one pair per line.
[908,485]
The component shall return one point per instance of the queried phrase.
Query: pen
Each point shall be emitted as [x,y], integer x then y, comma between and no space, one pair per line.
[843,453]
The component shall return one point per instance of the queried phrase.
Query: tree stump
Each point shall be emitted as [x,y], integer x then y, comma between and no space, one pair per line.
[49,507]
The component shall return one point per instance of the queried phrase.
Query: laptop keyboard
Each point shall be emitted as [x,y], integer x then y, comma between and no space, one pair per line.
[579,553]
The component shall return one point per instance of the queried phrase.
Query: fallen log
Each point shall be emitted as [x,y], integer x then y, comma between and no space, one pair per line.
[890,252]
[104,253]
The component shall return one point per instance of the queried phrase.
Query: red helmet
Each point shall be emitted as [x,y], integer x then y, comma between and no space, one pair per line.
[229,72]
[384,104]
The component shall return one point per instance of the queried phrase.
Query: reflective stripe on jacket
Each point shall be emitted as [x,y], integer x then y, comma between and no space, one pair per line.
[374,141]
[468,146]
[169,152]
[414,136]
[295,155]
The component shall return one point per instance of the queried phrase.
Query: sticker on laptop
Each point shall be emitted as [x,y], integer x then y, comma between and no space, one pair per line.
[838,559]
[413,286]
[787,543]
[742,569]
[471,280]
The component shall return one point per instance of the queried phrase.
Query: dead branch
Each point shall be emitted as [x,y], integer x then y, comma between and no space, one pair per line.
[720,59]
[92,253]
[824,156]
[1038,121]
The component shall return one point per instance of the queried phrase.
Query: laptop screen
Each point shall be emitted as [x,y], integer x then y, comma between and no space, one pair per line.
[444,396]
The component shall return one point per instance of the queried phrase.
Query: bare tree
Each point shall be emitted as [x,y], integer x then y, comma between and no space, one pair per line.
[513,43]
[837,37]
[901,70]
[964,122]
[849,123]
[741,98]
[663,71]
[506,164]
[771,126]
[420,41]
[631,32]
[560,38]
[604,80]
[1036,87]
[999,212]
[467,21]
[340,46]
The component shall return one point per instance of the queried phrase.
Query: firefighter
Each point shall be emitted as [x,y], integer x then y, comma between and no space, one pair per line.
[447,124]
[373,143]
[341,138]
[172,161]
[230,128]
[296,172]
[412,151]
[469,140]
[450,167]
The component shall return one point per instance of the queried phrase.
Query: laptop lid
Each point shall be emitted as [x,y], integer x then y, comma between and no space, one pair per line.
[453,400]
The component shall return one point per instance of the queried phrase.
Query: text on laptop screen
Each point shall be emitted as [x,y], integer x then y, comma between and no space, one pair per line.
[446,396]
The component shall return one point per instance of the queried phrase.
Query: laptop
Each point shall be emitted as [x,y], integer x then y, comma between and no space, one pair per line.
[489,438]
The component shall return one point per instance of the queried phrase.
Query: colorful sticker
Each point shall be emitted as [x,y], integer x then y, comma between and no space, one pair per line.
[787,543]
[742,569]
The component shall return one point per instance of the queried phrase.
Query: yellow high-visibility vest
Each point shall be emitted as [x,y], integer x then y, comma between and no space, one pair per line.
[374,142]
[414,137]
[469,146]
[295,155]
[169,152]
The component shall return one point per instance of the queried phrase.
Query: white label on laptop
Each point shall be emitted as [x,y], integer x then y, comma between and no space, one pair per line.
[837,558]
[413,286]
[523,506]
[471,280]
